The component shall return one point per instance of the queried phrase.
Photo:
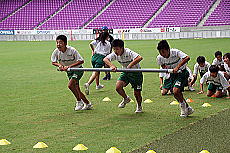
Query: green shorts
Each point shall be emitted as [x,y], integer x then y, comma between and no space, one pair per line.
[97,61]
[178,80]
[212,87]
[75,75]
[134,78]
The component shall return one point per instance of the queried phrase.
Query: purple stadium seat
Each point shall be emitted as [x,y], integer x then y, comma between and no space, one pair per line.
[178,13]
[220,16]
[127,14]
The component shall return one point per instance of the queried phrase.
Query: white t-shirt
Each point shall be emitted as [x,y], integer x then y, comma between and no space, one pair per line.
[125,59]
[219,80]
[103,49]
[227,68]
[175,57]
[217,62]
[67,58]
[198,68]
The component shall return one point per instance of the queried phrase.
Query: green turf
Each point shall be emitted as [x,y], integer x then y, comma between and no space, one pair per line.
[36,104]
[210,134]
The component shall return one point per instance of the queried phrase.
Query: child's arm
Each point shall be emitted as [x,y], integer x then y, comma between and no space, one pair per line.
[193,80]
[60,67]
[92,48]
[185,60]
[72,65]
[161,82]
[228,93]
[108,62]
[135,61]
[201,89]
[202,81]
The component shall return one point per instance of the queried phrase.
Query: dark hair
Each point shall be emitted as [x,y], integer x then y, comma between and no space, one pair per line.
[99,37]
[227,55]
[118,43]
[213,68]
[200,59]
[63,38]
[218,53]
[103,37]
[221,68]
[163,44]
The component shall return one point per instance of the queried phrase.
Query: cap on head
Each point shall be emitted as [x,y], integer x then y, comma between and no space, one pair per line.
[104,28]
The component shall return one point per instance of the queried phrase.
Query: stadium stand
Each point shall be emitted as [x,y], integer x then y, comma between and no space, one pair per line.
[127,14]
[8,7]
[220,16]
[28,17]
[180,13]
[116,14]
[75,14]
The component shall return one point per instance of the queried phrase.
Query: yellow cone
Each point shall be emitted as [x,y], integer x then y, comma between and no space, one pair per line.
[174,103]
[106,99]
[80,147]
[150,151]
[148,101]
[40,145]
[204,151]
[4,142]
[206,105]
[113,150]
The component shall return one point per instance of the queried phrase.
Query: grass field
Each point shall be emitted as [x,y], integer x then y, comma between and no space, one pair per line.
[36,104]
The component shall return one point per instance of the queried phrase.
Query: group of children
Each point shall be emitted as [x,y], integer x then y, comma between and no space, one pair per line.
[65,57]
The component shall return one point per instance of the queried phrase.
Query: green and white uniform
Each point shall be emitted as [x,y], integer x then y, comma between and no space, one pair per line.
[101,50]
[217,83]
[178,80]
[67,58]
[217,62]
[201,70]
[134,78]
[227,68]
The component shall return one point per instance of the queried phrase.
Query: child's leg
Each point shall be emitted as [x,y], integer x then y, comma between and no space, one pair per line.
[178,95]
[185,108]
[120,88]
[72,86]
[210,93]
[164,91]
[97,78]
[137,94]
[82,96]
[93,77]
[219,94]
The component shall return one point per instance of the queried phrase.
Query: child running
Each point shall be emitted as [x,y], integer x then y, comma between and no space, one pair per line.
[176,60]
[102,49]
[128,59]
[65,57]
[218,84]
